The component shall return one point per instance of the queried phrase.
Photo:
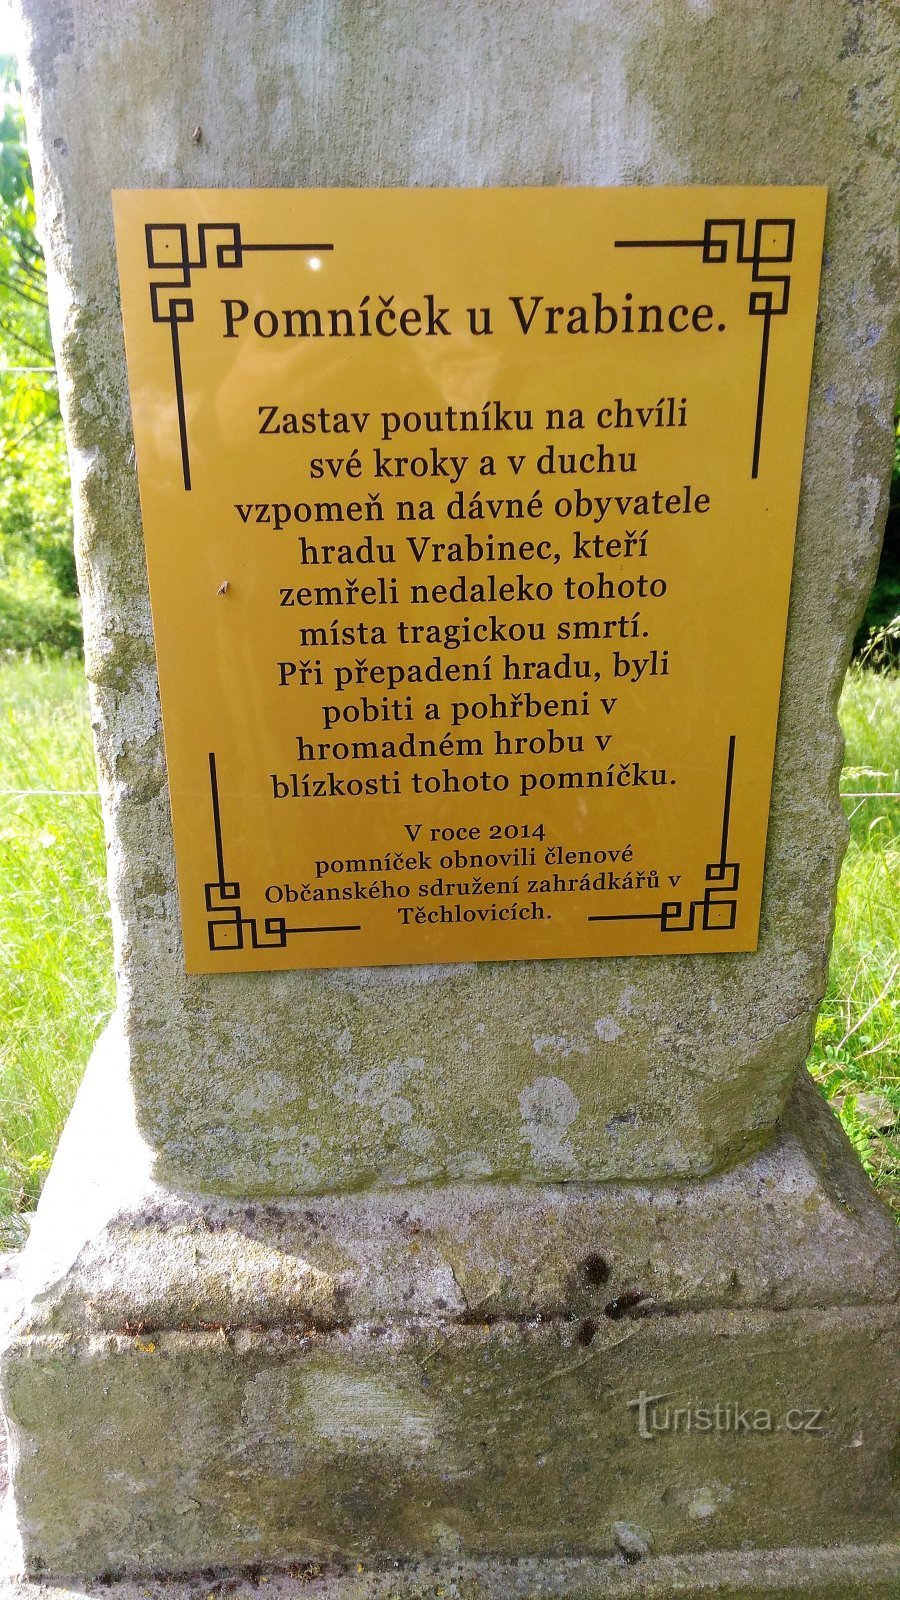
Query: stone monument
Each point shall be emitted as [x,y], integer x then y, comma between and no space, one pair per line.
[459,1274]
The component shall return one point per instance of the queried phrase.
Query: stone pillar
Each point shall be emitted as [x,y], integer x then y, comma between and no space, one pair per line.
[261,1327]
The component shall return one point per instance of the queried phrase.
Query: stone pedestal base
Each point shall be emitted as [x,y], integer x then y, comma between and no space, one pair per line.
[849,1573]
[659,1389]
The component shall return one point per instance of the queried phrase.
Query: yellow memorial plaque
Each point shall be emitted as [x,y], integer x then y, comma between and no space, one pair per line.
[469,519]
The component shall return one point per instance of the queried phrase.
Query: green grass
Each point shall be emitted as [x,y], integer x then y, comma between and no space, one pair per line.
[56,988]
[856,1058]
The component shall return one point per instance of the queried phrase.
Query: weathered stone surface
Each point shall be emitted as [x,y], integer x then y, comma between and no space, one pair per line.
[276,1084]
[796,1227]
[852,1573]
[448,1373]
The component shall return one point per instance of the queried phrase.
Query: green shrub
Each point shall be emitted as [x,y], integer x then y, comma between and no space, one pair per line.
[38,589]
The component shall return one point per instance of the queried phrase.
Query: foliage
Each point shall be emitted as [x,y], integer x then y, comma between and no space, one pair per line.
[856,1058]
[38,592]
[56,987]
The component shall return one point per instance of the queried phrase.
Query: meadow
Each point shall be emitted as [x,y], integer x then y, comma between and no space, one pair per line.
[56,985]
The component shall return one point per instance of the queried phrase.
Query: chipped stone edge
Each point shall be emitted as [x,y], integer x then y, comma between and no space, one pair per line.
[851,1572]
[111,1250]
